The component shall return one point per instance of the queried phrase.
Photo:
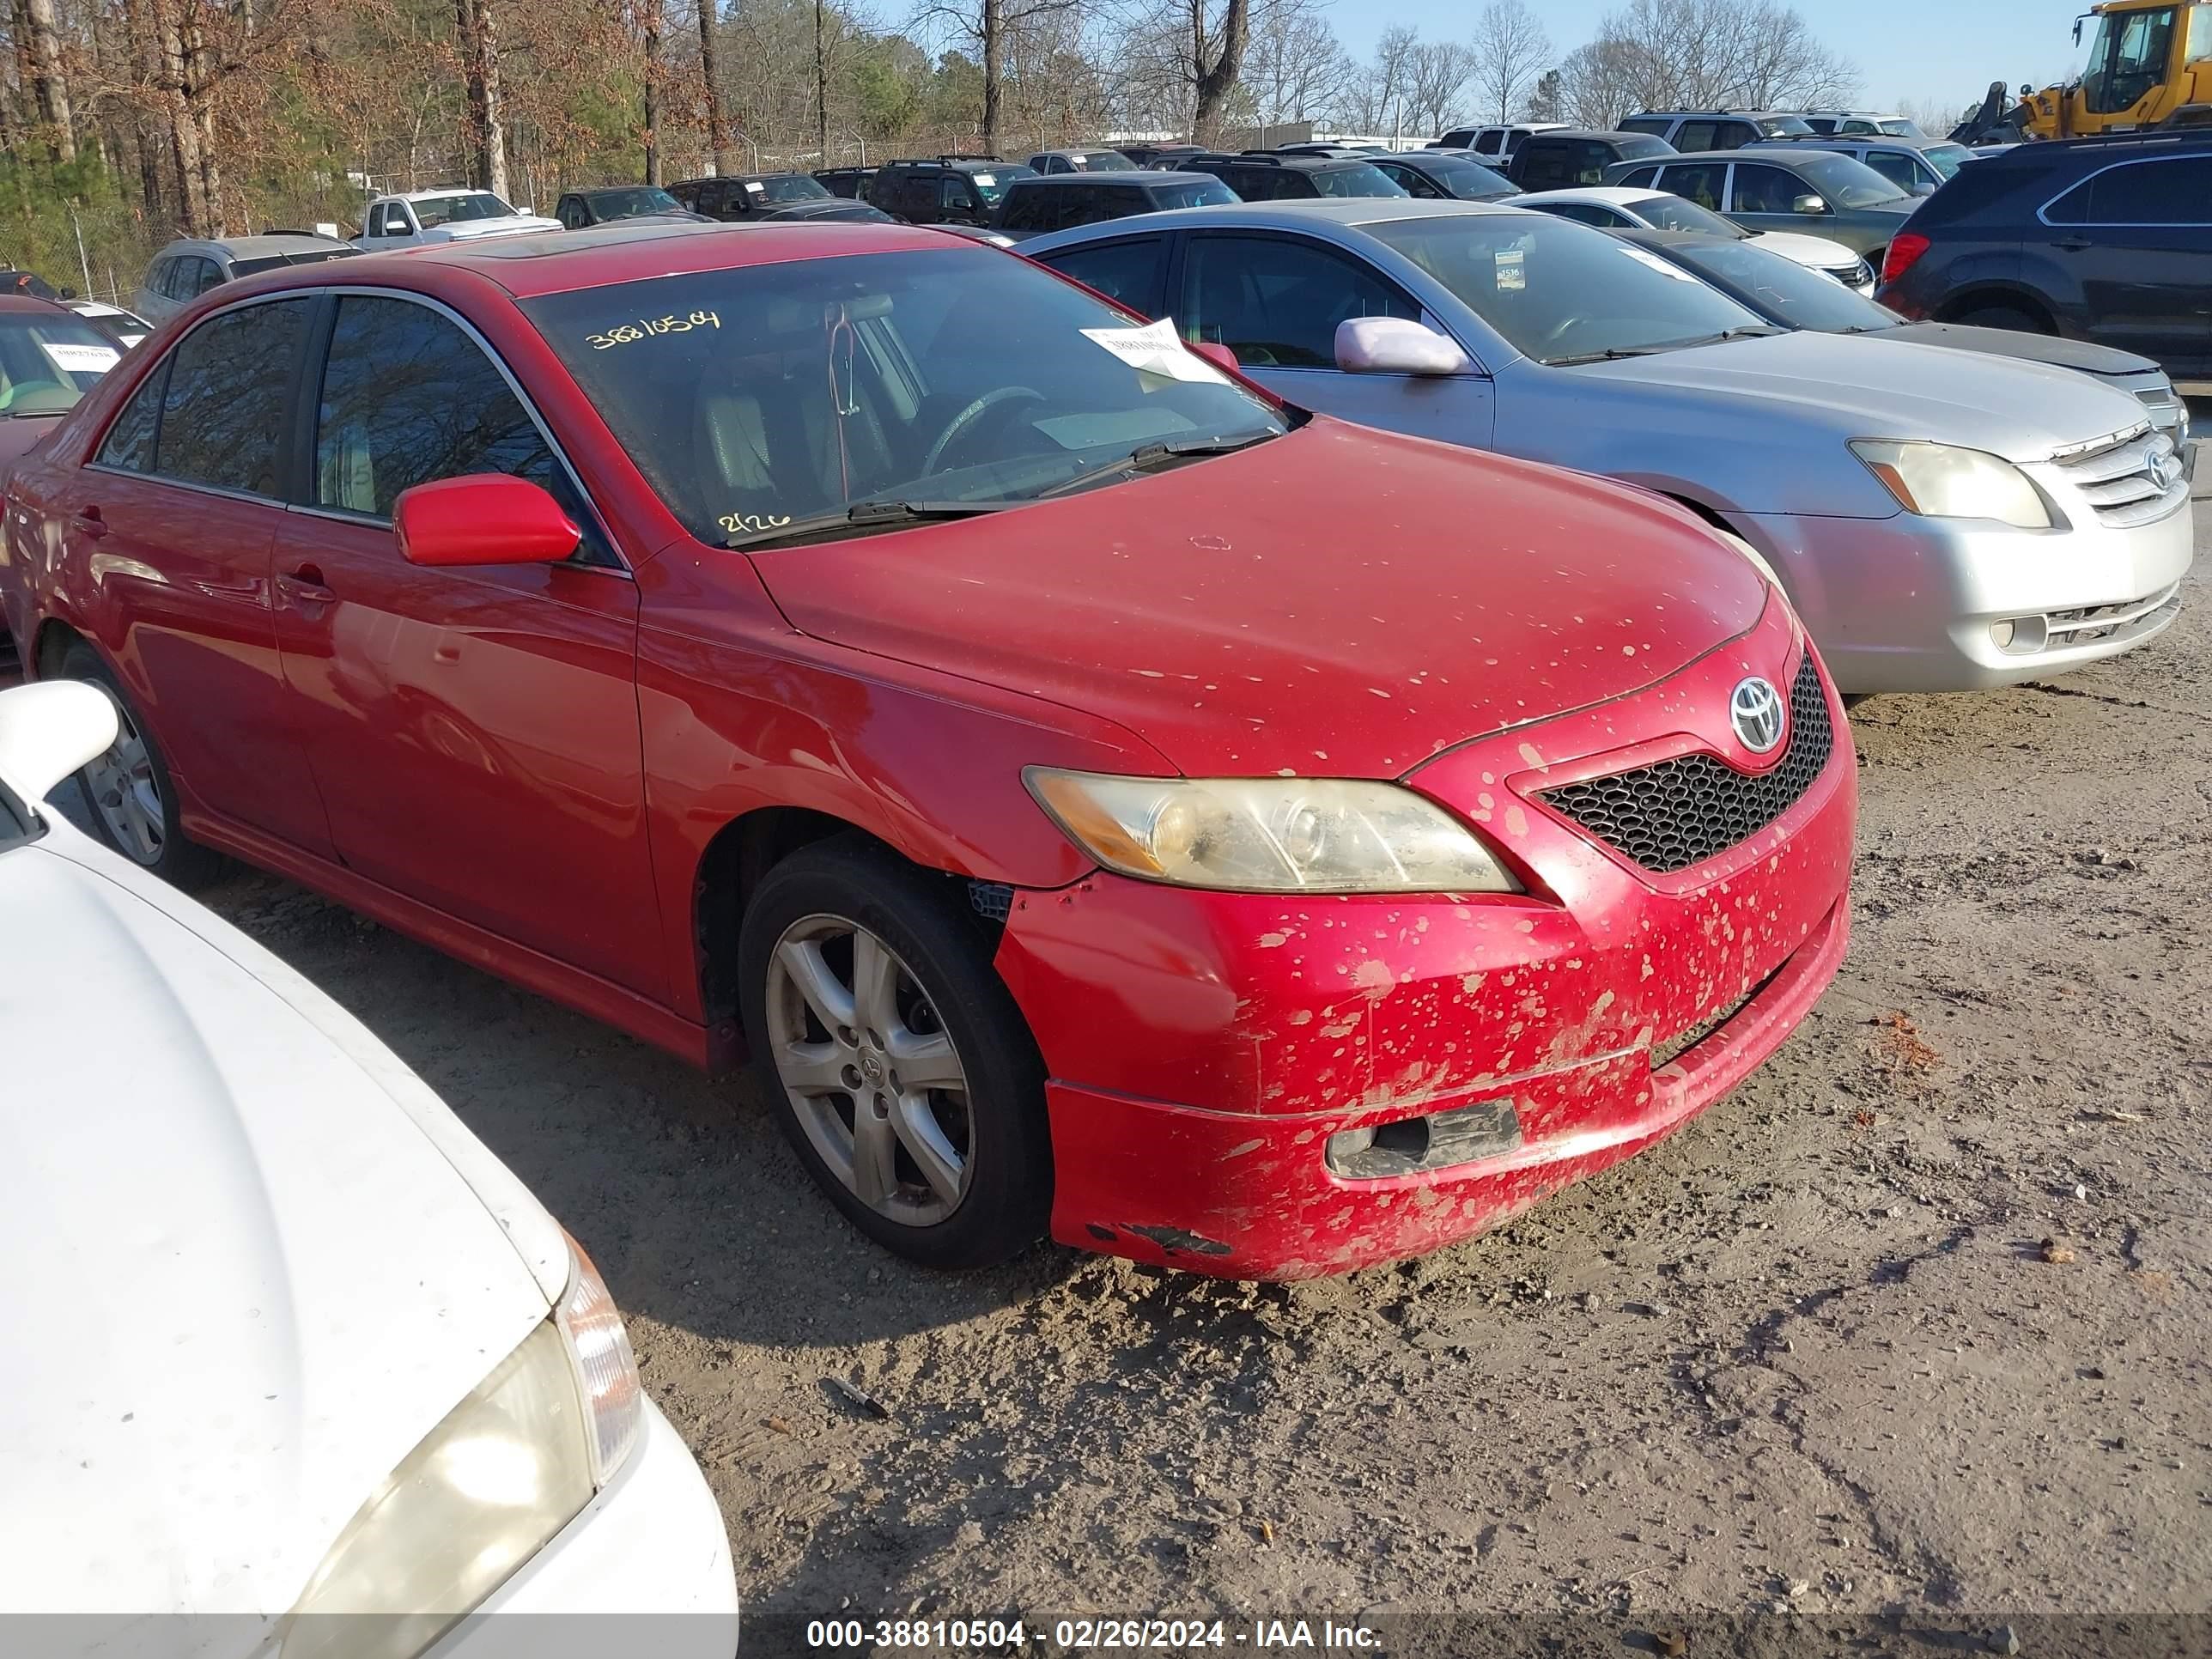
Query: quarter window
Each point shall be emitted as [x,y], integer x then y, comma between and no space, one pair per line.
[2174,191]
[228,391]
[408,398]
[129,444]
[1276,302]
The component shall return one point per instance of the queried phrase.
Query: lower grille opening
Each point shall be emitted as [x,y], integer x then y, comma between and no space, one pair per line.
[1665,1053]
[1415,1146]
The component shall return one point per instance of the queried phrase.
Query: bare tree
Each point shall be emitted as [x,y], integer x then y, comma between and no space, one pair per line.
[718,123]
[1295,69]
[1712,54]
[477,24]
[1216,57]
[39,40]
[985,24]
[1512,50]
[1379,94]
[1436,74]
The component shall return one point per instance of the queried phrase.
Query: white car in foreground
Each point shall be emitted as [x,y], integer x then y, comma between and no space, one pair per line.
[286,1341]
[1615,207]
[442,216]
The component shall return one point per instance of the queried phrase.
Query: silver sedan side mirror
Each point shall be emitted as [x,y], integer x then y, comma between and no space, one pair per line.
[1396,345]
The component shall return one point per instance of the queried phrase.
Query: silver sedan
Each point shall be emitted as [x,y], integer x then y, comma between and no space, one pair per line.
[1942,521]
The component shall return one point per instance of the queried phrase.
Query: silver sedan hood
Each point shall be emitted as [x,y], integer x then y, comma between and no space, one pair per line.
[1860,387]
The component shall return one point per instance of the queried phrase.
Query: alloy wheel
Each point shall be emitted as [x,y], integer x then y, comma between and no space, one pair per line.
[871,1070]
[124,791]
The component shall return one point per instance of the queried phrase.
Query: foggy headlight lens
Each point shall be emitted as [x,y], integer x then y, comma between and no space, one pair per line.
[1938,481]
[508,1468]
[1269,836]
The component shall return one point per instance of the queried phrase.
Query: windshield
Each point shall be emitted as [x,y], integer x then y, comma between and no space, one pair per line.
[2127,59]
[754,396]
[1210,193]
[48,361]
[1849,183]
[1782,124]
[992,185]
[1360,179]
[629,204]
[1470,181]
[1948,159]
[1898,127]
[1556,289]
[457,210]
[786,187]
[1100,160]
[1785,290]
[1673,213]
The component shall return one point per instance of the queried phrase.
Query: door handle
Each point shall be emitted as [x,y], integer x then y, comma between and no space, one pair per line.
[87,521]
[304,586]
[2073,243]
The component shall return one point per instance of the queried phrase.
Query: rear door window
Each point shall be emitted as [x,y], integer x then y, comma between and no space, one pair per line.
[1705,183]
[1767,190]
[1129,272]
[226,398]
[1732,134]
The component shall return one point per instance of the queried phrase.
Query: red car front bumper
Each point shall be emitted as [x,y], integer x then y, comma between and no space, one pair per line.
[1204,1048]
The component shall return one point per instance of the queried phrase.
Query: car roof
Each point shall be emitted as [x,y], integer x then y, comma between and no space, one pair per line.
[1321,214]
[533,262]
[28,303]
[1606,134]
[1854,140]
[437,191]
[1140,177]
[1765,153]
[253,247]
[1290,158]
[2104,147]
[610,189]
[1611,195]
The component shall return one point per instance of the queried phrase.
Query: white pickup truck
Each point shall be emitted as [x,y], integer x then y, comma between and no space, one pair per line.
[452,214]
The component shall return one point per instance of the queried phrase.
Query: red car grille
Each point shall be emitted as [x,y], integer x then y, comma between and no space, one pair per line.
[1681,812]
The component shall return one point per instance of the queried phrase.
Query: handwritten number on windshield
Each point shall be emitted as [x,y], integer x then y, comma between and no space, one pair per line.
[645,327]
[748,524]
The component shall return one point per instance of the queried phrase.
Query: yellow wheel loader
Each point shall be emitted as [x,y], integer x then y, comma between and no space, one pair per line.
[2149,63]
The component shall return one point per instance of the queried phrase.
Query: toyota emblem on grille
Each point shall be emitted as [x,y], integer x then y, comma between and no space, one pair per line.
[2165,472]
[1755,711]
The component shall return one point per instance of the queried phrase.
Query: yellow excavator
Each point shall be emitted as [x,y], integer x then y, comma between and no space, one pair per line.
[2148,64]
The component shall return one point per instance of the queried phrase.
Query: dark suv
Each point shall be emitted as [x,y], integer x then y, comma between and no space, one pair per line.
[2107,239]
[1061,201]
[951,190]
[740,196]
[1575,156]
[1275,176]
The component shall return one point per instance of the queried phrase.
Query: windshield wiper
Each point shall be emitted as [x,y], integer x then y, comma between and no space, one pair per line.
[1611,354]
[1153,458]
[863,519]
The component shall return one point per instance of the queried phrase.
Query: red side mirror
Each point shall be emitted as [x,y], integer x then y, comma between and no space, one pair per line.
[489,517]
[1217,354]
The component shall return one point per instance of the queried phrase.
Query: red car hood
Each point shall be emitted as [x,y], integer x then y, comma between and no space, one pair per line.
[17,437]
[1339,602]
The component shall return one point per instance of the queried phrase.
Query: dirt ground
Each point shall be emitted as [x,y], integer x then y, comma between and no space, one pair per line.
[1908,1333]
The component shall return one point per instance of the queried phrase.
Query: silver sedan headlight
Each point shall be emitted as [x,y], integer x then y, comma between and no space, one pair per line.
[506,1469]
[1269,834]
[1942,481]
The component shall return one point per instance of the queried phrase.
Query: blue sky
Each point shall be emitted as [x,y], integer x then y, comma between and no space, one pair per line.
[1944,50]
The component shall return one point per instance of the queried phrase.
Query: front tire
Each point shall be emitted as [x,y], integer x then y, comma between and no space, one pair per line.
[893,1055]
[132,799]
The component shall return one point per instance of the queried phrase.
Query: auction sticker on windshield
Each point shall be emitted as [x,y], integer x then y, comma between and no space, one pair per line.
[1155,349]
[82,359]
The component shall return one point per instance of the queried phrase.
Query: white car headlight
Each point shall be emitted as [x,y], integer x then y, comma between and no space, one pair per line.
[508,1468]
[1941,480]
[1269,834]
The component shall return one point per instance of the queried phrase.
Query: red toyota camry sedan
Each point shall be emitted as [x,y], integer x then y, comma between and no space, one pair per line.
[1096,797]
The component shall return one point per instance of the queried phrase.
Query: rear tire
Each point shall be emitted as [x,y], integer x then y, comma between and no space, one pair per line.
[2006,317]
[128,791]
[854,967]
